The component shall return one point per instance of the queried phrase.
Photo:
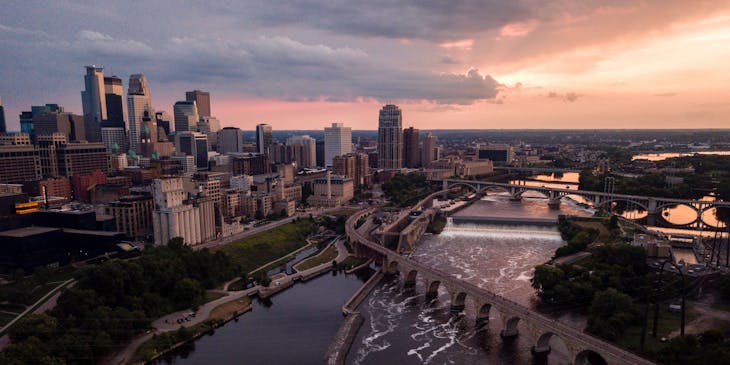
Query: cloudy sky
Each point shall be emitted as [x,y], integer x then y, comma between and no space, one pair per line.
[448,64]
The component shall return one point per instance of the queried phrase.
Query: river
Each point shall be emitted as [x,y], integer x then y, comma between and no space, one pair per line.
[404,328]
[293,327]
[665,155]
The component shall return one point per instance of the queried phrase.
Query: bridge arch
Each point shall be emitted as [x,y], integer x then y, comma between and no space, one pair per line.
[410,280]
[463,184]
[660,209]
[536,189]
[458,301]
[432,289]
[510,327]
[482,311]
[485,190]
[589,357]
[392,267]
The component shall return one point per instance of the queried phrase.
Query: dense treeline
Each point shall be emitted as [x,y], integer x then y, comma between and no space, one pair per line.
[407,189]
[613,275]
[578,238]
[647,185]
[114,301]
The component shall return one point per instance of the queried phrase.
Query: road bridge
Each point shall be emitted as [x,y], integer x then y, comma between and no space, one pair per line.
[652,205]
[539,327]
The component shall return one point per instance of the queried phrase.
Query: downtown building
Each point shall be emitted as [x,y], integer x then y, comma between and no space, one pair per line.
[355,166]
[263,138]
[93,99]
[429,151]
[201,99]
[230,140]
[390,138]
[186,116]
[411,155]
[337,142]
[193,144]
[113,129]
[139,101]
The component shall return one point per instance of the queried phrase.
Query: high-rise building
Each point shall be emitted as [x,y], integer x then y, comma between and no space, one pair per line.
[19,163]
[320,153]
[390,138]
[337,142]
[113,129]
[411,157]
[139,100]
[263,138]
[162,119]
[51,118]
[303,150]
[133,215]
[94,102]
[428,150]
[186,116]
[353,165]
[3,125]
[201,99]
[230,139]
[249,164]
[193,144]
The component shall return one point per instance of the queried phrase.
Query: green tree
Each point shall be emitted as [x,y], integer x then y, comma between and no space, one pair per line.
[611,313]
[188,291]
[40,325]
[176,243]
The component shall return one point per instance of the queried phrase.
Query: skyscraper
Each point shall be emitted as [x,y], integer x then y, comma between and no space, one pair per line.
[390,138]
[263,138]
[139,100]
[201,99]
[94,102]
[428,151]
[337,142]
[230,139]
[193,144]
[303,150]
[186,116]
[3,126]
[411,157]
[113,131]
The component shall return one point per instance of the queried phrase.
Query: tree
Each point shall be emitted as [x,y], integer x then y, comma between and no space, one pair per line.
[610,313]
[188,291]
[176,243]
[40,325]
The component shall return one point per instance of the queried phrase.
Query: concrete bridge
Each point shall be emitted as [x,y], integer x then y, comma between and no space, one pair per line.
[540,329]
[534,170]
[652,205]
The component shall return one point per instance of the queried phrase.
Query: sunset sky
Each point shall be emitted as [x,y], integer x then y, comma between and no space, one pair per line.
[447,64]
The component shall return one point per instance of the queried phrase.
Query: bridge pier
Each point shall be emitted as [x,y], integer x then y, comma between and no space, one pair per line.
[554,203]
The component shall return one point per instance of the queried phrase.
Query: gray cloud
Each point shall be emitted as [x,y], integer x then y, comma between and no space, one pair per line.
[567,97]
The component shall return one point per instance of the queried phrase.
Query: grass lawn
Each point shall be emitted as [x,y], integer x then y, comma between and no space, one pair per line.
[226,310]
[329,254]
[212,295]
[254,251]
[603,234]
[668,322]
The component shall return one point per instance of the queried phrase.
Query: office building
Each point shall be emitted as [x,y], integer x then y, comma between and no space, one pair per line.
[320,153]
[249,164]
[411,156]
[331,191]
[193,144]
[337,141]
[113,129]
[163,121]
[498,153]
[355,166]
[139,101]
[263,138]
[93,99]
[230,139]
[390,138]
[429,152]
[133,215]
[3,124]
[302,150]
[82,158]
[19,163]
[201,99]
[52,118]
[186,116]
[15,139]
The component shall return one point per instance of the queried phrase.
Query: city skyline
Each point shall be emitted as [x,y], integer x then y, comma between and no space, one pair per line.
[576,67]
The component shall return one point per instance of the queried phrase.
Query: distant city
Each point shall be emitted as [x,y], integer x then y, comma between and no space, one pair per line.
[99,206]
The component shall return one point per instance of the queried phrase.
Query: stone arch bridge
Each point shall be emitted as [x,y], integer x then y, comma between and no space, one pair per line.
[652,205]
[539,327]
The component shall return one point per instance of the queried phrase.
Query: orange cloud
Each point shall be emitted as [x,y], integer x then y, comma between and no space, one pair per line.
[464,44]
